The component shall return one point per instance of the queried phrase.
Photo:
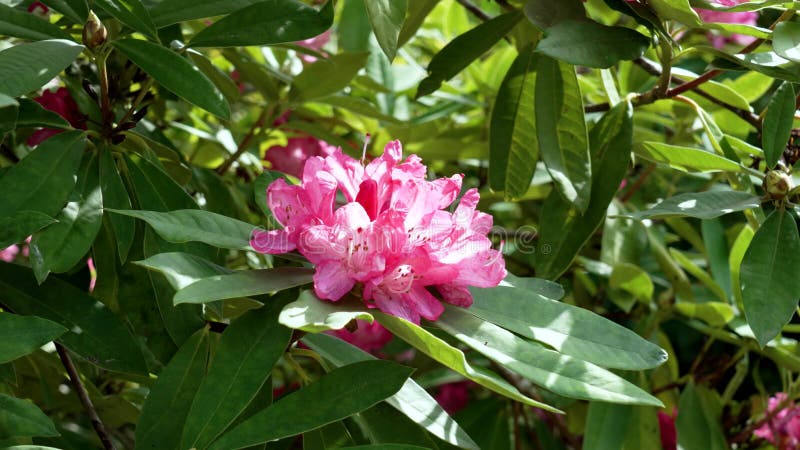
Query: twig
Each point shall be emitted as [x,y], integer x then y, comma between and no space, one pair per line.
[243,145]
[142,92]
[105,101]
[638,183]
[747,432]
[472,8]
[83,395]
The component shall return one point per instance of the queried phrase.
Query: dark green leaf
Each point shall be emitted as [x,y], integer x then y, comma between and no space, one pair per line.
[76,10]
[20,335]
[16,228]
[464,49]
[703,205]
[546,13]
[386,17]
[385,425]
[248,350]
[778,123]
[265,23]
[44,179]
[131,13]
[32,114]
[327,76]
[345,391]
[27,67]
[25,25]
[513,143]
[166,407]
[22,418]
[182,269]
[786,40]
[174,11]
[767,63]
[95,333]
[698,423]
[243,284]
[418,11]
[354,27]
[154,190]
[176,74]
[607,426]
[770,289]
[115,196]
[221,80]
[194,225]
[591,44]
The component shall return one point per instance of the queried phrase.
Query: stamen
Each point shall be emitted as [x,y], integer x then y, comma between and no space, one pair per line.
[367,139]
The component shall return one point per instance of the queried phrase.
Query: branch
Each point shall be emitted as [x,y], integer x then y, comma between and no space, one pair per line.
[474,9]
[245,141]
[75,378]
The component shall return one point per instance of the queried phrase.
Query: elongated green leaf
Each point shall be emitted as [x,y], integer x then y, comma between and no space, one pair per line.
[95,333]
[154,189]
[182,269]
[562,374]
[786,40]
[346,390]
[327,76]
[32,114]
[632,279]
[24,25]
[176,74]
[698,423]
[698,273]
[174,11]
[411,400]
[248,350]
[313,315]
[563,230]
[115,196]
[243,284]
[715,314]
[703,205]
[769,289]
[44,179]
[607,426]
[75,10]
[546,13]
[778,123]
[686,158]
[131,13]
[20,335]
[545,288]
[569,329]
[679,10]
[561,129]
[62,245]
[189,225]
[166,407]
[265,23]
[453,358]
[591,44]
[16,228]
[513,143]
[386,18]
[27,67]
[464,49]
[383,424]
[221,80]
[22,418]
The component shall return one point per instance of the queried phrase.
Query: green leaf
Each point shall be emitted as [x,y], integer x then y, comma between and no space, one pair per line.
[464,49]
[265,23]
[193,225]
[453,358]
[561,129]
[607,426]
[591,44]
[167,405]
[345,391]
[715,314]
[115,196]
[786,40]
[564,230]
[62,245]
[173,11]
[562,374]
[243,284]
[778,123]
[513,143]
[767,63]
[567,328]
[686,159]
[32,114]
[769,288]
[679,10]
[96,334]
[243,362]
[327,76]
[22,418]
[698,421]
[182,269]
[153,189]
[546,13]
[16,228]
[411,400]
[27,67]
[702,205]
[131,13]
[386,18]
[221,80]
[43,180]
[176,74]
[75,10]
[383,424]
[313,315]
[25,25]
[545,288]
[698,273]
[20,335]
[632,279]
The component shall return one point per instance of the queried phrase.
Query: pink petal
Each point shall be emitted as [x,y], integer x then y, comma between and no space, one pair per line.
[330,282]
[273,242]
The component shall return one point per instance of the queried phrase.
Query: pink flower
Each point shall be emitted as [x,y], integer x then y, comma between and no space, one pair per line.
[394,239]
[316,43]
[39,9]
[292,157]
[743,17]
[62,103]
[783,430]
[370,337]
[668,431]
[453,397]
[9,254]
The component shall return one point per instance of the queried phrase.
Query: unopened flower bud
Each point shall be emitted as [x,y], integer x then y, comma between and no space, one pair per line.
[94,33]
[777,184]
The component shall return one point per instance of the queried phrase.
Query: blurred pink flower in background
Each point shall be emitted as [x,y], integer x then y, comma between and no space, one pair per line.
[668,431]
[783,430]
[370,337]
[61,103]
[39,9]
[743,17]
[291,158]
[316,43]
[453,397]
[9,254]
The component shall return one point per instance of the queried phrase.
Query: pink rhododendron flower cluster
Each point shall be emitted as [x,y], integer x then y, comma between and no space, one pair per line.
[453,397]
[291,158]
[12,252]
[742,17]
[61,103]
[783,430]
[370,337]
[393,239]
